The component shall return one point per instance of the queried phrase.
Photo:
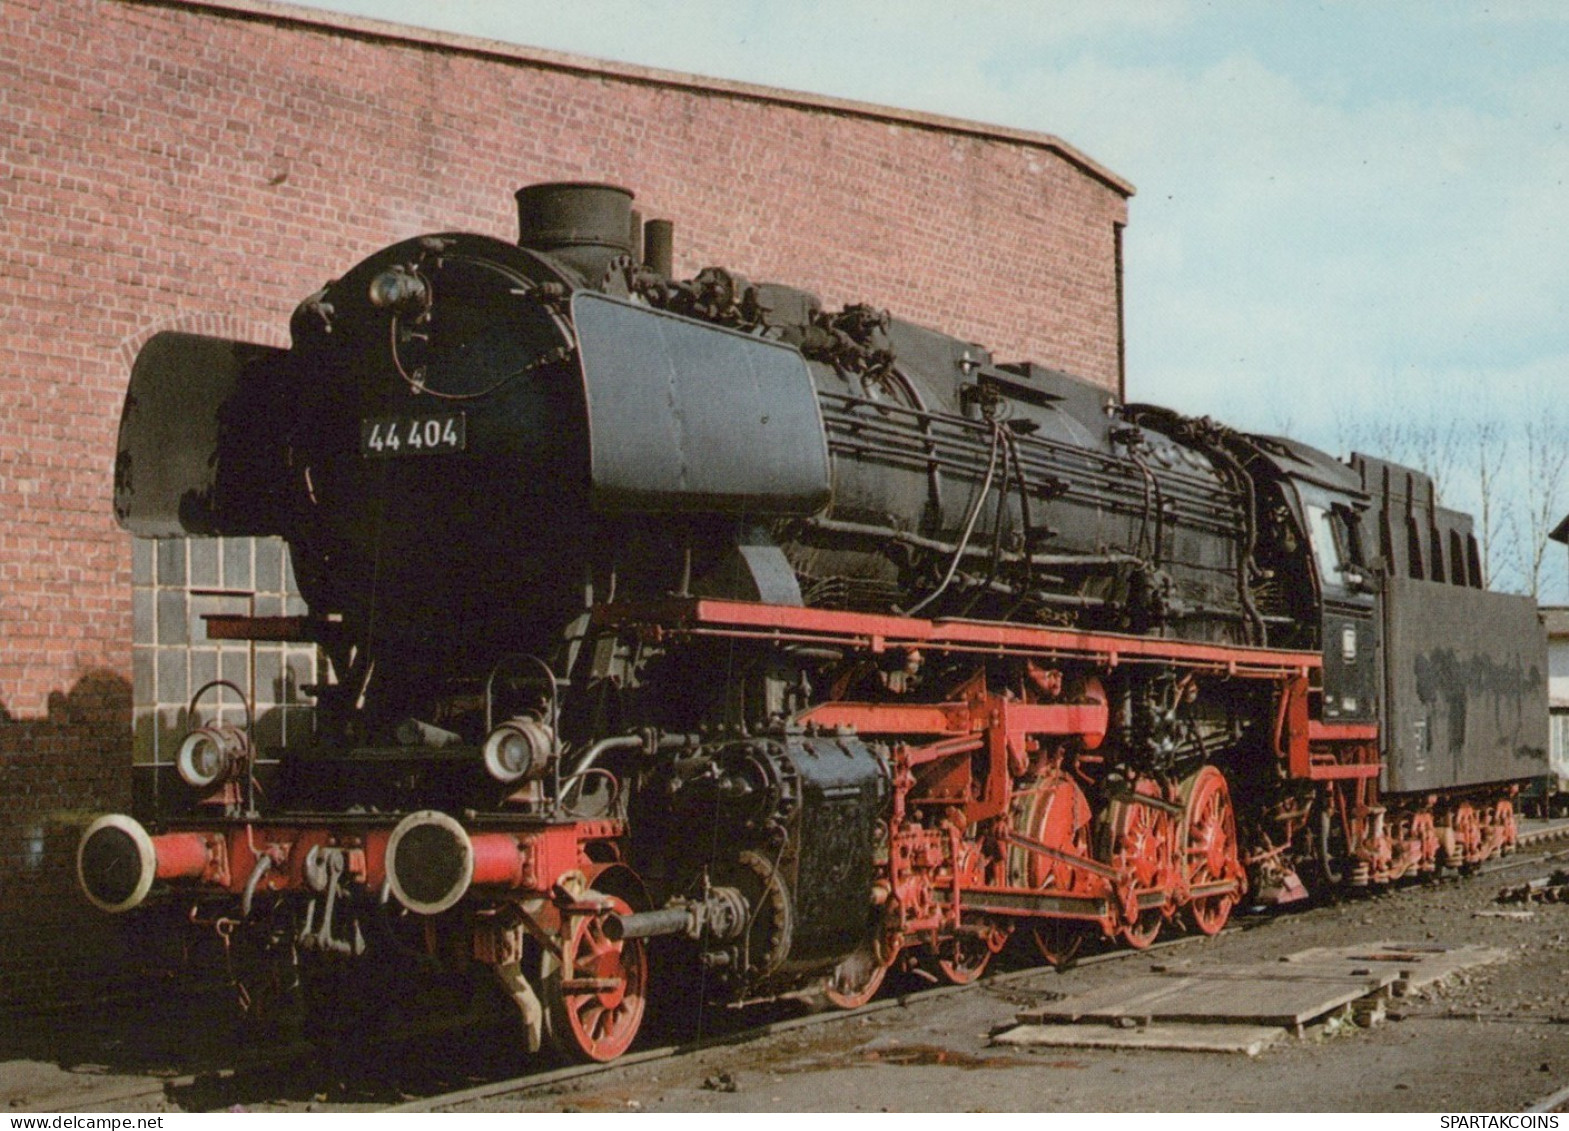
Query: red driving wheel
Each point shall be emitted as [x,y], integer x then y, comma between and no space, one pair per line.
[595,1013]
[1141,851]
[1054,813]
[1209,850]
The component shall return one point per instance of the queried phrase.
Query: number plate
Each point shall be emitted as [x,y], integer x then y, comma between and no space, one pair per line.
[412,435]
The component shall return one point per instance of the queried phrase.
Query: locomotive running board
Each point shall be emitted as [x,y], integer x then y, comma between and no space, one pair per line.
[699,616]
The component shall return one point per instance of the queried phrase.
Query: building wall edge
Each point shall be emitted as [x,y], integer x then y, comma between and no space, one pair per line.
[279,12]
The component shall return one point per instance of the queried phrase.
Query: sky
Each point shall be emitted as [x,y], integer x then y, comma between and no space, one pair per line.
[1346,211]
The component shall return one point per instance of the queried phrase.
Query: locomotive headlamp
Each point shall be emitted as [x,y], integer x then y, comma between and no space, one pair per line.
[209,754]
[519,748]
[398,289]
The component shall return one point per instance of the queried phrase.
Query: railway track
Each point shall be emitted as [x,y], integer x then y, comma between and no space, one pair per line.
[221,1077]
[245,1082]
[537,1081]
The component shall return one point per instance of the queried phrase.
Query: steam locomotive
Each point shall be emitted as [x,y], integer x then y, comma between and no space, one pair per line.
[684,625]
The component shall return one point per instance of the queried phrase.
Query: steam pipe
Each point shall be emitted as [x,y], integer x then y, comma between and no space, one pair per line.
[648,924]
[587,759]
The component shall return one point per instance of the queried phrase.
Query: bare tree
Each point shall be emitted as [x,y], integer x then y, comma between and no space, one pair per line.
[1546,459]
[1487,457]
[1433,447]
[1489,449]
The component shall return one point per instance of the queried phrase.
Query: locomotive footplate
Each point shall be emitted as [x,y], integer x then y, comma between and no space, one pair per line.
[878,633]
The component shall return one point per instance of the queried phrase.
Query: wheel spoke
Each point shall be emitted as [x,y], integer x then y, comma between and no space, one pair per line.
[1143,845]
[1209,849]
[597,1024]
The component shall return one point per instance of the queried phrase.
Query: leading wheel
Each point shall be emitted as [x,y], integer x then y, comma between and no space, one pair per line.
[1209,850]
[596,992]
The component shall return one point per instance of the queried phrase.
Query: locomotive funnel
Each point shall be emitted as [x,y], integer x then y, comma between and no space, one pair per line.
[430,862]
[583,225]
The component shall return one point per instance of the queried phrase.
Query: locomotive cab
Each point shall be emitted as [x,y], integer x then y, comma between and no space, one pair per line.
[1326,500]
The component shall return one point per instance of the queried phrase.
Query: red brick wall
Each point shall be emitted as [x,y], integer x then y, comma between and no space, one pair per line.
[171,165]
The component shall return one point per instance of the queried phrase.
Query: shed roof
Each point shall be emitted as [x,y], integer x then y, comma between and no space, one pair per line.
[278,12]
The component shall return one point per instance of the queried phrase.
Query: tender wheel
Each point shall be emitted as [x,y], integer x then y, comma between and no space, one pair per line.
[595,1014]
[1426,836]
[1467,838]
[1504,816]
[856,980]
[1209,849]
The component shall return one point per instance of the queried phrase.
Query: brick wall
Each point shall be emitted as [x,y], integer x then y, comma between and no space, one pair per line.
[205,166]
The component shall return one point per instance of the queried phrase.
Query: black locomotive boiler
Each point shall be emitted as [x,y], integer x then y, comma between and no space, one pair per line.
[683,624]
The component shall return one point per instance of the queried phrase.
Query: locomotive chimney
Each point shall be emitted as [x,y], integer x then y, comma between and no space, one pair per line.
[583,225]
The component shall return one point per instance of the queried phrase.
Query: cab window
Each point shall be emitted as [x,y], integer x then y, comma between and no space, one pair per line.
[1331,544]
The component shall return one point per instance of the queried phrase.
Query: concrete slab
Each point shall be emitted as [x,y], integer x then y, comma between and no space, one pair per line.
[35,1086]
[1249,1040]
[1417,964]
[1265,994]
[1244,1008]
